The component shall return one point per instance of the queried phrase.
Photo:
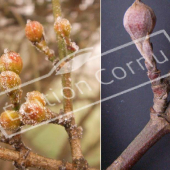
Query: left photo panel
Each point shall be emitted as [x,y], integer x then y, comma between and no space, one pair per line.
[50,84]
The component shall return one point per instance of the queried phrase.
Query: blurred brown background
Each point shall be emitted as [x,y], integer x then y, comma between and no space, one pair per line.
[84,15]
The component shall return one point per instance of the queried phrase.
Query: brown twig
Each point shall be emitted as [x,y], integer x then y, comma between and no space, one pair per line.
[35,160]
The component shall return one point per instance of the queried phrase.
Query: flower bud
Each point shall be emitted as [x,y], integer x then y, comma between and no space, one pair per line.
[9,80]
[10,120]
[11,61]
[62,27]
[34,31]
[32,112]
[139,20]
[36,95]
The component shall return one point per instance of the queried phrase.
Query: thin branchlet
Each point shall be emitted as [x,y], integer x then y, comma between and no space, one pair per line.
[63,42]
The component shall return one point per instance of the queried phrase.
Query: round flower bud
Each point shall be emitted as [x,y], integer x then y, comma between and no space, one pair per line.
[11,61]
[32,112]
[9,80]
[36,95]
[139,20]
[10,120]
[62,26]
[34,31]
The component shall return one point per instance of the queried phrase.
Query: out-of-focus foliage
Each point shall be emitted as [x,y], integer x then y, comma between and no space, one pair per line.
[84,15]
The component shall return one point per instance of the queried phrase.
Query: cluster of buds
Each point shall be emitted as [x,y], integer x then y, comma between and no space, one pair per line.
[33,111]
[10,66]
[35,33]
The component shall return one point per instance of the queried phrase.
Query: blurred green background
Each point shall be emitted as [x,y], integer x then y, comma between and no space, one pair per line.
[51,140]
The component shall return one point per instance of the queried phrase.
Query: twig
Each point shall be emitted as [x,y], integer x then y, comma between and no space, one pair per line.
[43,47]
[159,86]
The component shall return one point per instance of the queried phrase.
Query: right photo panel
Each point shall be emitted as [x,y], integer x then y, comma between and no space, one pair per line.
[135,85]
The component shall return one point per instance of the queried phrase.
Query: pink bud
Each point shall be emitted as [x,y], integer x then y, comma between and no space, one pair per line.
[139,20]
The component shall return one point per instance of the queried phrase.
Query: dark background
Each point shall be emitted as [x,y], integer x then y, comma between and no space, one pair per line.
[124,116]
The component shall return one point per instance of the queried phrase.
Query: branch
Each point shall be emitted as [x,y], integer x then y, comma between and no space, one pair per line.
[156,128]
[35,160]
